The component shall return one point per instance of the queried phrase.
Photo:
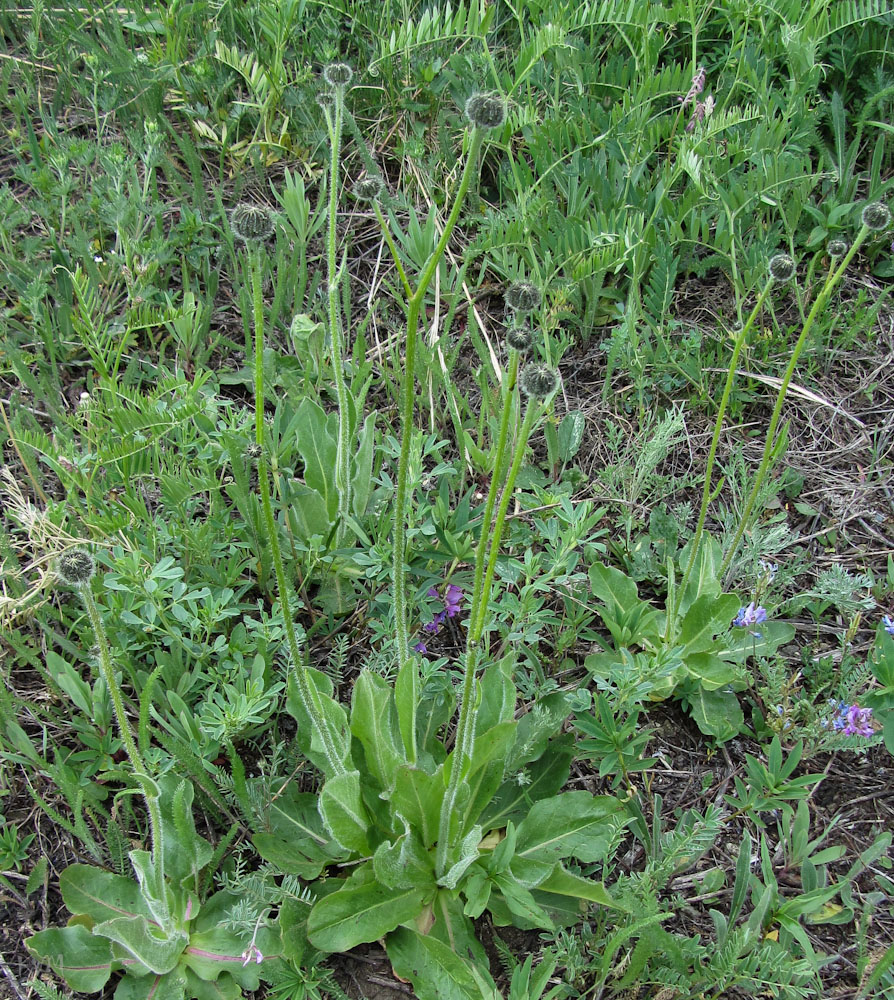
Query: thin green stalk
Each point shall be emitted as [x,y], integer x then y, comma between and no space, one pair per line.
[465,730]
[307,691]
[495,482]
[141,773]
[479,613]
[821,300]
[342,453]
[408,678]
[712,452]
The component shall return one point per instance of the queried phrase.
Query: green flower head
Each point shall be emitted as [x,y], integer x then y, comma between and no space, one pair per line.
[251,223]
[781,267]
[369,188]
[75,568]
[836,248]
[876,216]
[338,74]
[486,111]
[538,381]
[519,338]
[522,296]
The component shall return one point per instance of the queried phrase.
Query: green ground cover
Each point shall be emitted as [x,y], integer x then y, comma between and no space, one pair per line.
[447,529]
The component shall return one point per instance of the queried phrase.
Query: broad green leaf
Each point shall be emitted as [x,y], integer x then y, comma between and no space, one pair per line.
[374,724]
[454,929]
[537,727]
[171,986]
[571,434]
[343,812]
[435,971]
[215,951]
[84,961]
[716,713]
[740,645]
[417,796]
[564,883]
[708,617]
[307,512]
[703,580]
[100,894]
[574,824]
[362,466]
[406,700]
[296,840]
[522,903]
[404,864]
[630,620]
[316,443]
[710,671]
[157,953]
[539,780]
[436,707]
[223,988]
[185,852]
[292,922]
[307,736]
[483,782]
[497,696]
[358,914]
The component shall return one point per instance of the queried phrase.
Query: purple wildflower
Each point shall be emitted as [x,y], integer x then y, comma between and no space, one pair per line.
[851,720]
[888,622]
[420,647]
[750,616]
[452,600]
[698,85]
[858,721]
[252,954]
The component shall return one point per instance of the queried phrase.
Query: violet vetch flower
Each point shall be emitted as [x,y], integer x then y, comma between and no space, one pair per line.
[851,720]
[888,622]
[750,616]
[451,601]
[698,85]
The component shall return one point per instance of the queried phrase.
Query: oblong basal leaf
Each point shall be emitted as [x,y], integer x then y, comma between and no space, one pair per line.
[85,962]
[358,914]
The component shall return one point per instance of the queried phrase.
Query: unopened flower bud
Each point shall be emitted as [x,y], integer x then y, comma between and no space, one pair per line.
[522,296]
[369,188]
[251,223]
[876,216]
[836,248]
[519,338]
[486,110]
[75,568]
[538,381]
[338,74]
[781,267]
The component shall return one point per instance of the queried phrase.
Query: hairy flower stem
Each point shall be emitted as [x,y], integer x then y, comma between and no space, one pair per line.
[462,754]
[495,483]
[821,300]
[342,453]
[465,729]
[712,452]
[408,671]
[150,789]
[479,611]
[310,698]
